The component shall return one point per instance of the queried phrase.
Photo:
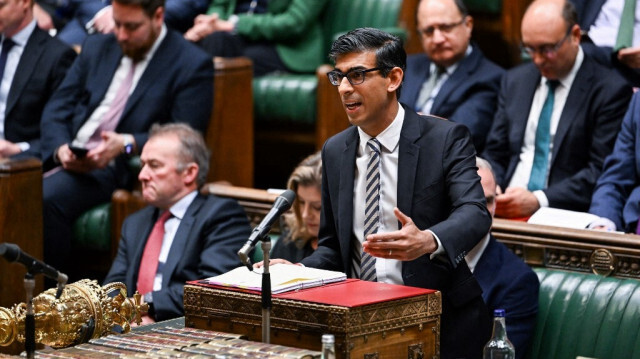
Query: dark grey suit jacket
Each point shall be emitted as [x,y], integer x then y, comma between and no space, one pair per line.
[43,65]
[587,129]
[439,188]
[209,235]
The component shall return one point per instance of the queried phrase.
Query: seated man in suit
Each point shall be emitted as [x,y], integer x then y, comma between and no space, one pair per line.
[608,28]
[194,236]
[119,85]
[616,198]
[32,66]
[277,35]
[557,117]
[401,199]
[452,79]
[74,18]
[506,281]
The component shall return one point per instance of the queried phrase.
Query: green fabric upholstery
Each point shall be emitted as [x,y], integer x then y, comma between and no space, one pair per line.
[290,98]
[92,230]
[587,315]
[493,7]
[257,255]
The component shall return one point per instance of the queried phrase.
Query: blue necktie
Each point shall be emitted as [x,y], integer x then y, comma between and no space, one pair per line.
[543,138]
[7,44]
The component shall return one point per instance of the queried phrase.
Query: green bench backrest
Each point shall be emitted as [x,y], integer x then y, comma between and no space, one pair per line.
[493,7]
[588,315]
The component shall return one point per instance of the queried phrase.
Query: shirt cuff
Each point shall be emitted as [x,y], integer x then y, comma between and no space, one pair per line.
[89,25]
[542,198]
[605,222]
[440,249]
[24,146]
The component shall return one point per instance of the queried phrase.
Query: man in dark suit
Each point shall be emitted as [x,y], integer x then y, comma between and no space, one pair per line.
[199,239]
[579,105]
[616,198]
[601,23]
[507,282]
[452,79]
[425,202]
[116,89]
[35,66]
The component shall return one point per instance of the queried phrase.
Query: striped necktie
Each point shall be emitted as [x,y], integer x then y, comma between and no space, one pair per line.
[372,209]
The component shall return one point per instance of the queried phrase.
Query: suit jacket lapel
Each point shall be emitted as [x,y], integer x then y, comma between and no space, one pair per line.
[180,239]
[572,105]
[345,196]
[408,156]
[106,67]
[464,70]
[30,56]
[421,75]
[524,94]
[140,237]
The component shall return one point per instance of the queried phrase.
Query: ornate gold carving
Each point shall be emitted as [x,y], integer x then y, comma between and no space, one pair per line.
[415,351]
[602,262]
[84,311]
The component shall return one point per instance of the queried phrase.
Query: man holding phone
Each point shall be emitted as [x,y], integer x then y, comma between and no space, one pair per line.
[118,87]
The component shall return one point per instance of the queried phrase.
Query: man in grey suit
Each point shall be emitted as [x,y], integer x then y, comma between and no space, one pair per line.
[200,236]
[557,117]
[32,65]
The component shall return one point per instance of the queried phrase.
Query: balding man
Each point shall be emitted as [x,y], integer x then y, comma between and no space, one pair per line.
[557,118]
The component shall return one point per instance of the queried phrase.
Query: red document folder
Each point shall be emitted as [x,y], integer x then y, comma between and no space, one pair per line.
[349,293]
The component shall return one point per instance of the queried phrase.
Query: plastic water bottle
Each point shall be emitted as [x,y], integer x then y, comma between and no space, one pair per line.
[499,346]
[328,346]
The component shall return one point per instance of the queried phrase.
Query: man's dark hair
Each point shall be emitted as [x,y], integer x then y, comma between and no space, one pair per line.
[388,48]
[569,13]
[148,6]
[461,7]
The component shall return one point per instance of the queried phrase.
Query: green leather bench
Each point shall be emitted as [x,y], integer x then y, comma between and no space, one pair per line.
[584,314]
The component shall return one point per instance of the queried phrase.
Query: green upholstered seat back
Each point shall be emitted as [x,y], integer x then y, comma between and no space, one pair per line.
[588,315]
[92,230]
[291,99]
[493,7]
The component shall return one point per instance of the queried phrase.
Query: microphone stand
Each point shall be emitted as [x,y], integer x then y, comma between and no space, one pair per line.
[266,290]
[29,320]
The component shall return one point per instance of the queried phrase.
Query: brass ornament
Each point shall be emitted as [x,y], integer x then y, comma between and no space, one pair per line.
[84,311]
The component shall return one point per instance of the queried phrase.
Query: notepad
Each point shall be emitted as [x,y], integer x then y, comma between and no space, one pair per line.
[284,278]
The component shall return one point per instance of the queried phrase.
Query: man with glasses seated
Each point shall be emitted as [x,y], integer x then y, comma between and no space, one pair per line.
[452,78]
[557,119]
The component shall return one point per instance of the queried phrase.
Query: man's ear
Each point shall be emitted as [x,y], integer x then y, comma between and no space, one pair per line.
[190,173]
[395,77]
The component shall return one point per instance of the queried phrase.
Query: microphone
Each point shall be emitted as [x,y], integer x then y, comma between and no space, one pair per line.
[282,204]
[12,253]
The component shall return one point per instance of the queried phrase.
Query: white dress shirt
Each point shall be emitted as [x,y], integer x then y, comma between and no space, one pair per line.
[604,30]
[522,172]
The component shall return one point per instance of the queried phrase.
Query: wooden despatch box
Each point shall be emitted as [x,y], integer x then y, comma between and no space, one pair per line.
[369,319]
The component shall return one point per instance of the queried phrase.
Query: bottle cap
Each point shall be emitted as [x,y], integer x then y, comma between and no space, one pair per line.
[328,338]
[498,313]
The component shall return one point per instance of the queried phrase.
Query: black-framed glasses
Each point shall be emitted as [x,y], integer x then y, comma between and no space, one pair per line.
[549,50]
[445,29]
[354,76]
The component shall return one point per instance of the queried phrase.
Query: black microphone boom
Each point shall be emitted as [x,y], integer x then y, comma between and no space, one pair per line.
[282,204]
[13,253]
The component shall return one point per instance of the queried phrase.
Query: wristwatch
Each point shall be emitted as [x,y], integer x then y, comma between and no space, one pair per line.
[129,144]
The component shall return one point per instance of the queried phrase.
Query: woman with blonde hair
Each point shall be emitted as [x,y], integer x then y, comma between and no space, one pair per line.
[301,237]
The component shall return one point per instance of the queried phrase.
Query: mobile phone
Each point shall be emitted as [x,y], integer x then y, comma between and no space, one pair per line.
[80,152]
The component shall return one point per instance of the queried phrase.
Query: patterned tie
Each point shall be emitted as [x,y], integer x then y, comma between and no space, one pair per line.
[112,117]
[149,262]
[543,139]
[372,209]
[7,44]
[627,20]
[427,89]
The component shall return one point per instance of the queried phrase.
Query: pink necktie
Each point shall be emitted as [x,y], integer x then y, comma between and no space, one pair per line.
[112,117]
[149,262]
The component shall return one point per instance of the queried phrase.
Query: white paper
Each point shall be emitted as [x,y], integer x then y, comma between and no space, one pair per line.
[562,218]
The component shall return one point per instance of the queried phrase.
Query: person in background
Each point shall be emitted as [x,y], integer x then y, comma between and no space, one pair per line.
[301,236]
[557,117]
[452,78]
[182,235]
[277,35]
[32,66]
[118,87]
[507,282]
[616,198]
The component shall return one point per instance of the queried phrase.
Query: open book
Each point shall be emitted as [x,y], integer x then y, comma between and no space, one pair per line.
[284,278]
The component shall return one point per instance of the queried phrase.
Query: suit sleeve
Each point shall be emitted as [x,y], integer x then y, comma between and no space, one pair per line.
[224,232]
[497,146]
[118,270]
[179,14]
[575,191]
[287,25]
[619,176]
[468,220]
